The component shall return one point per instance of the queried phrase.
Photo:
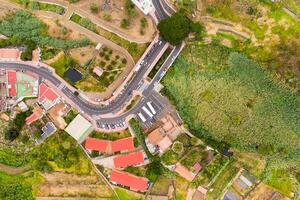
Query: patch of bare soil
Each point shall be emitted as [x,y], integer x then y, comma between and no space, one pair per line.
[63,185]
[263,192]
[82,54]
[57,30]
[114,13]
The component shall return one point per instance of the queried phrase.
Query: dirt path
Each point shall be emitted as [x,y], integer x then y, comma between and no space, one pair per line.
[13,170]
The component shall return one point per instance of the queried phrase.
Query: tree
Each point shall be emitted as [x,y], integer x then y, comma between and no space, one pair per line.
[12,134]
[94,8]
[125,23]
[130,8]
[177,27]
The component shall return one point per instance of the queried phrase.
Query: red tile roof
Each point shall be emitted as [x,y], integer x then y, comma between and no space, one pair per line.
[9,53]
[127,160]
[97,145]
[122,145]
[37,114]
[12,80]
[135,183]
[46,93]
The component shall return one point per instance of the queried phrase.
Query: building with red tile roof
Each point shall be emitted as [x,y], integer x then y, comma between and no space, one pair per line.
[110,147]
[37,114]
[12,81]
[125,144]
[135,183]
[93,144]
[126,160]
[47,96]
[9,54]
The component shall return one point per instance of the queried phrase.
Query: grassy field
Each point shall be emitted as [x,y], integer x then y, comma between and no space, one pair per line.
[275,40]
[111,136]
[127,195]
[227,97]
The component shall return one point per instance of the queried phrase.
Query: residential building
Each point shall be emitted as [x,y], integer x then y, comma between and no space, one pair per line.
[126,160]
[79,128]
[134,183]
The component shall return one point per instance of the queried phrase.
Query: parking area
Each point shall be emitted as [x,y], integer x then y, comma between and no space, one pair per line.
[150,110]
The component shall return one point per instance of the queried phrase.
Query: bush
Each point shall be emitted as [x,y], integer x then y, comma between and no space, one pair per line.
[177,147]
[94,8]
[130,8]
[125,23]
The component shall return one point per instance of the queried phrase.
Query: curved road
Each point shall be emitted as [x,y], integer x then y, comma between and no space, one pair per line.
[95,110]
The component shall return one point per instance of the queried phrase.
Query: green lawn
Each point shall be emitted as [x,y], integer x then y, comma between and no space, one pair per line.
[222,181]
[62,64]
[127,195]
[111,136]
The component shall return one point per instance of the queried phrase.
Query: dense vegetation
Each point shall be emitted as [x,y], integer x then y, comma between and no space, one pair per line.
[227,97]
[31,32]
[16,125]
[15,187]
[177,27]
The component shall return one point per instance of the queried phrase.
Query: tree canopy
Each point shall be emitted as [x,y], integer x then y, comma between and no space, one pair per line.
[177,27]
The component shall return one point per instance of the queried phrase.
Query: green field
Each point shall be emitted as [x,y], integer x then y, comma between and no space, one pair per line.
[226,97]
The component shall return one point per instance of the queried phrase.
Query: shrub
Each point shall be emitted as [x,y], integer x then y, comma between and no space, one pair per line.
[125,23]
[94,8]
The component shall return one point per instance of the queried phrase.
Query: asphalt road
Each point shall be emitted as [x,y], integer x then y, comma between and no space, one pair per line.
[126,94]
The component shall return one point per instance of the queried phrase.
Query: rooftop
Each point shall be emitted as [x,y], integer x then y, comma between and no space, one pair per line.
[122,145]
[107,146]
[9,54]
[135,183]
[79,128]
[127,160]
[36,114]
[94,144]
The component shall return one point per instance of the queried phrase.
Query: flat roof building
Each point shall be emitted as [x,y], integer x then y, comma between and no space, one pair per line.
[134,183]
[79,128]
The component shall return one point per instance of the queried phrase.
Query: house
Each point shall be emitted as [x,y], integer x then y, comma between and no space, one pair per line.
[134,183]
[79,128]
[47,96]
[184,172]
[9,54]
[109,147]
[48,130]
[231,195]
[93,144]
[126,160]
[98,71]
[160,139]
[121,145]
[37,114]
[23,106]
[56,114]
[244,182]
[200,193]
